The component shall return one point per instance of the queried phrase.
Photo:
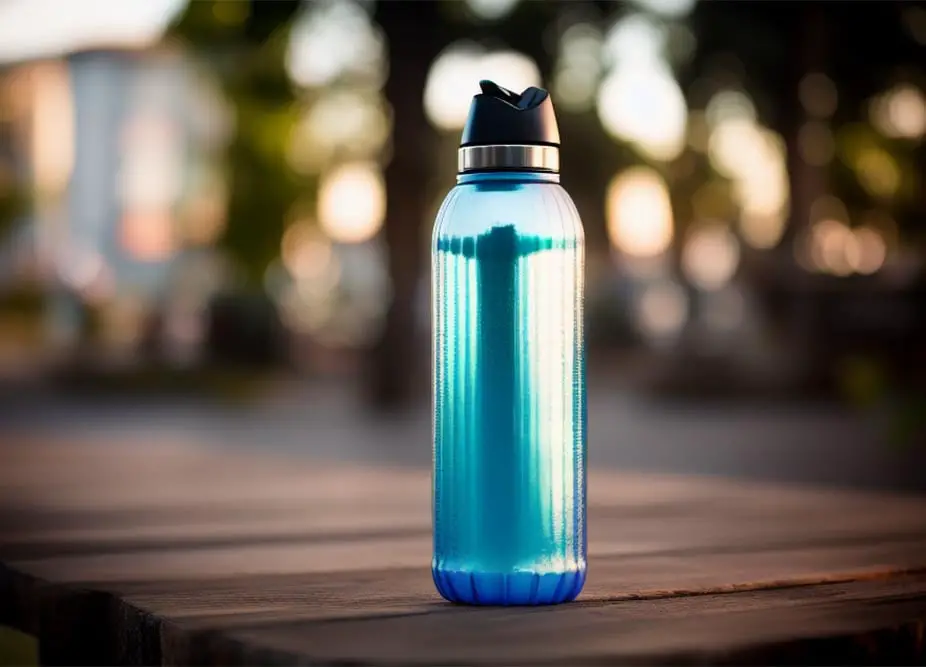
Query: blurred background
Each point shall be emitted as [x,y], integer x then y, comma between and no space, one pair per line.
[215,221]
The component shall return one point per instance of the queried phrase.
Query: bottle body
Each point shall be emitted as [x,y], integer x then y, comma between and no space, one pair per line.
[509,479]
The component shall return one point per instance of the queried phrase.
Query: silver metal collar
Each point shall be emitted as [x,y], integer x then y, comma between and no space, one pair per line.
[508,156]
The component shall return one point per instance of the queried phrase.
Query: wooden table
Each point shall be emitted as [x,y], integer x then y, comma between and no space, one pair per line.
[169,553]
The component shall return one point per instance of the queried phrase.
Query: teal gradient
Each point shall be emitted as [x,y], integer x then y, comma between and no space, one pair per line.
[509,479]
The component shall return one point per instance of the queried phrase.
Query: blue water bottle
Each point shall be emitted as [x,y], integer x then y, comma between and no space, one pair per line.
[508,267]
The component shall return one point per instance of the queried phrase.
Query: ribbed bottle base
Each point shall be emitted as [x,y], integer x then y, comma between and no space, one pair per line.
[510,589]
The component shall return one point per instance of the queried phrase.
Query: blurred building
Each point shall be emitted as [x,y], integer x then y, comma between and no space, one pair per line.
[116,150]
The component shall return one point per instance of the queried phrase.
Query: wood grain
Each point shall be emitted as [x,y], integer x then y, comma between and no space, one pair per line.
[678,629]
[179,554]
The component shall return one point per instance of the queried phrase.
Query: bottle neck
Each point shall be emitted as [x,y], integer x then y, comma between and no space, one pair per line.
[512,176]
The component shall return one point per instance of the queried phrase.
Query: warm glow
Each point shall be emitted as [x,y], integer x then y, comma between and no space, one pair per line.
[736,146]
[869,250]
[640,102]
[754,158]
[454,79]
[52,128]
[832,246]
[151,169]
[352,202]
[729,105]
[901,112]
[710,256]
[639,211]
[762,231]
[148,236]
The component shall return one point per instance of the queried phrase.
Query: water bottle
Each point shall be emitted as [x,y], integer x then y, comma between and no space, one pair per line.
[508,266]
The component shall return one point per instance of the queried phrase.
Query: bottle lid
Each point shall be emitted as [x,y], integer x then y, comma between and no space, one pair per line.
[510,131]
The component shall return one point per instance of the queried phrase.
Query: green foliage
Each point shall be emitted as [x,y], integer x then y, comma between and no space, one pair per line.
[245,44]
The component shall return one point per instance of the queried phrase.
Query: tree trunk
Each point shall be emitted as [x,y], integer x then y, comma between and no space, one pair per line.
[806,184]
[397,360]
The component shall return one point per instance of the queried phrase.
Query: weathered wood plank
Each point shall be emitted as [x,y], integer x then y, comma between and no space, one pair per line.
[671,630]
[179,612]
[232,601]
[179,553]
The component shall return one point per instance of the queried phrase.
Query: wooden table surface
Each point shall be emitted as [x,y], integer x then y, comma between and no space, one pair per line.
[171,553]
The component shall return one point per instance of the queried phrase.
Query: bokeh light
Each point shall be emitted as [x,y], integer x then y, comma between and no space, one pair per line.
[330,40]
[635,38]
[641,103]
[150,174]
[727,105]
[349,124]
[667,8]
[869,250]
[900,112]
[148,235]
[352,202]
[491,10]
[710,256]
[454,78]
[52,135]
[830,240]
[578,72]
[754,159]
[639,213]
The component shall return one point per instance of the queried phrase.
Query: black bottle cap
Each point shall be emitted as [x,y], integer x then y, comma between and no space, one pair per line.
[500,116]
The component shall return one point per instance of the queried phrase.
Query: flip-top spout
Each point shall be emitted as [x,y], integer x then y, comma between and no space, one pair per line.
[530,98]
[510,130]
[501,116]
